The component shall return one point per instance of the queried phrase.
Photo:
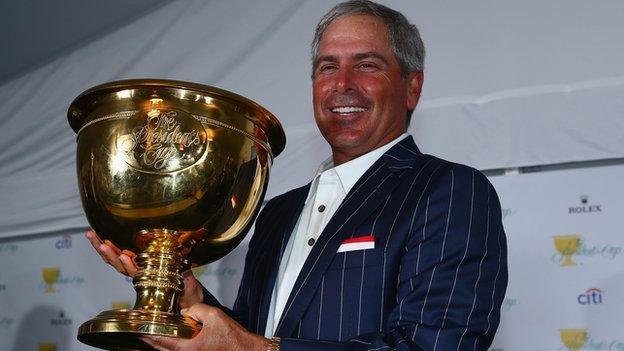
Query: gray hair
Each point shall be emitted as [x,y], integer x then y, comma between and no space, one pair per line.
[404,37]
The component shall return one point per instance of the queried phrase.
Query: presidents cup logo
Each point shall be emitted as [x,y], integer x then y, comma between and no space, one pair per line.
[47,346]
[581,339]
[569,247]
[52,277]
[207,270]
[573,339]
[166,141]
[584,207]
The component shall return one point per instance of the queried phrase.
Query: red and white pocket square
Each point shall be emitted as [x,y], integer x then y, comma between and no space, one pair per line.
[358,243]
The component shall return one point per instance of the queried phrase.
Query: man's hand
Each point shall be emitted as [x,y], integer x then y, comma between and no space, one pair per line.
[123,262]
[219,332]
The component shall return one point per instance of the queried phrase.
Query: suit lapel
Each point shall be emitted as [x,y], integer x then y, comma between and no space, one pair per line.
[273,249]
[365,197]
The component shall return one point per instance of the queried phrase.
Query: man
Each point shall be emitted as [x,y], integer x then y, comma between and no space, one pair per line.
[387,248]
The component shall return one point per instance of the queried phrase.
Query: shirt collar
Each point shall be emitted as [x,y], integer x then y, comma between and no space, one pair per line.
[349,172]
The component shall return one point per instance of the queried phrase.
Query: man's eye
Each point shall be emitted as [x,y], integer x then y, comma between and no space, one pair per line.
[367,66]
[327,68]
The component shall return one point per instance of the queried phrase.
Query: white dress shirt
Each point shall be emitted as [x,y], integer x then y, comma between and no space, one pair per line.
[329,187]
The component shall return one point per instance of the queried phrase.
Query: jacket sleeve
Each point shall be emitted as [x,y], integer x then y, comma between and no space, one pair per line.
[240,310]
[452,277]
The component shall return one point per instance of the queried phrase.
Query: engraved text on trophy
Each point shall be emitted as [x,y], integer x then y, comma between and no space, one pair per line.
[166,141]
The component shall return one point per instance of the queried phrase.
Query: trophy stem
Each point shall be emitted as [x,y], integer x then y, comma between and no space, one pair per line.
[158,282]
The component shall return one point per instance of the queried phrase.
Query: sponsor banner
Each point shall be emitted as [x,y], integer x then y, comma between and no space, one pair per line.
[566,255]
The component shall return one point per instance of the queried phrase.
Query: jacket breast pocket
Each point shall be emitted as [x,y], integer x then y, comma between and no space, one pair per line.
[357,259]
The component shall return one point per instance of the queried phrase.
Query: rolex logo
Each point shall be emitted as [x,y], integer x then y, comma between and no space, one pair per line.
[584,206]
[61,320]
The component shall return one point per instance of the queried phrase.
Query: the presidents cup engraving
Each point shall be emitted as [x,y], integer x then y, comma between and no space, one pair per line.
[166,141]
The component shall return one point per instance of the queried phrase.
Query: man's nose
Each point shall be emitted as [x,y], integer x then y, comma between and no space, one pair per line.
[344,80]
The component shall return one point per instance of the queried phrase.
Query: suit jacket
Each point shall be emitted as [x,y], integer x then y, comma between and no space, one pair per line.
[434,281]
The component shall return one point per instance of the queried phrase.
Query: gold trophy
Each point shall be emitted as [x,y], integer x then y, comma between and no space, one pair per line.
[573,339]
[567,245]
[50,276]
[175,172]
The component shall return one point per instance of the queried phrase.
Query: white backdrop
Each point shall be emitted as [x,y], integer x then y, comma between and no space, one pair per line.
[543,297]
[508,84]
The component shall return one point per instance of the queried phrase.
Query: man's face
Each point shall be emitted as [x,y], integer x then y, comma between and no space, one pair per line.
[360,98]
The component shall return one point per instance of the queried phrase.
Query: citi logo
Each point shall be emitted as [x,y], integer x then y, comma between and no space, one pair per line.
[584,208]
[592,296]
[65,242]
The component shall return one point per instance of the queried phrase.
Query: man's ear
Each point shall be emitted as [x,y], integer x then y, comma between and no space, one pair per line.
[414,87]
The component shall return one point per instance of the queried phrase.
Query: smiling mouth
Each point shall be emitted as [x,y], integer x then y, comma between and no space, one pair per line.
[348,109]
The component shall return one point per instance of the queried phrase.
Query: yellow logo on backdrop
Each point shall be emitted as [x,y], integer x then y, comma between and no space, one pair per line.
[50,277]
[47,346]
[120,305]
[567,245]
[573,339]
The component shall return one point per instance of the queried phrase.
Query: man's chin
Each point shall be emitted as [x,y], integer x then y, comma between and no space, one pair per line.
[349,144]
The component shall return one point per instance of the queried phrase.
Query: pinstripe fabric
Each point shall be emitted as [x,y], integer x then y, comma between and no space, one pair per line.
[434,281]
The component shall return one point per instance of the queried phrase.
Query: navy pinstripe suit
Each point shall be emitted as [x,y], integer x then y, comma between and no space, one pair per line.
[434,281]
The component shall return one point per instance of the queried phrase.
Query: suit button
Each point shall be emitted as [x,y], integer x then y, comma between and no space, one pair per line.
[321,208]
[311,241]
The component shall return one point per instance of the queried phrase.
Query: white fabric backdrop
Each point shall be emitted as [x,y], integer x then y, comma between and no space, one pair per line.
[543,297]
[507,84]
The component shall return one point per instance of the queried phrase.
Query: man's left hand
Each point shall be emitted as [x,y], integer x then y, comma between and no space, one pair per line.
[219,332]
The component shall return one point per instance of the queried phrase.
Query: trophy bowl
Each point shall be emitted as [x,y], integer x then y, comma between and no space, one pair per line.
[176,173]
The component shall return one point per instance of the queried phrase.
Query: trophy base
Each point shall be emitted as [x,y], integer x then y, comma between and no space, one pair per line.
[122,329]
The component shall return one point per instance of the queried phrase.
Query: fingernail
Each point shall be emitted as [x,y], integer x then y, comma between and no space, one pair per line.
[184,310]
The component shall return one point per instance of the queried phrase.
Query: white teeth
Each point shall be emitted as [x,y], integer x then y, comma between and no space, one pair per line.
[348,109]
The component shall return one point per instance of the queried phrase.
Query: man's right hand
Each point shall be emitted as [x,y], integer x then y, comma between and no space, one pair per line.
[123,262]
